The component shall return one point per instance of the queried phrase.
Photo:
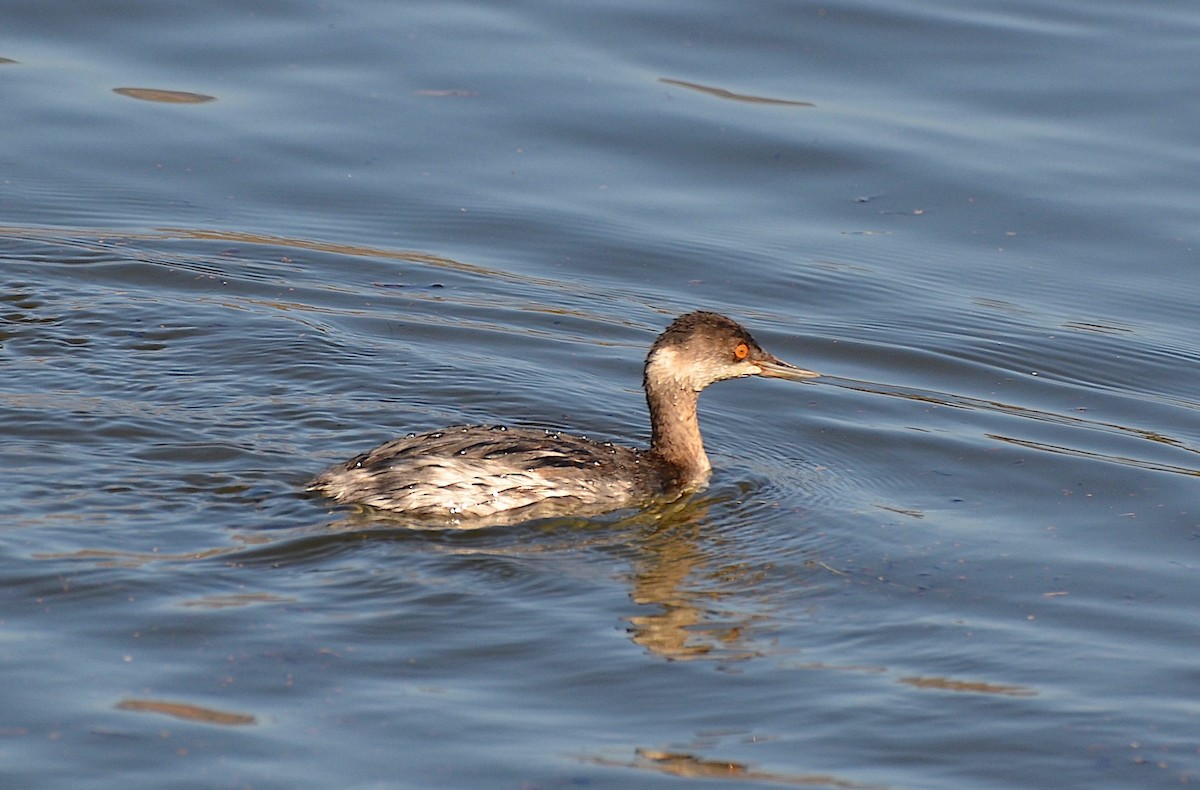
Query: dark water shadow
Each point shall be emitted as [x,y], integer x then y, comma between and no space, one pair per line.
[687,765]
[164,96]
[722,93]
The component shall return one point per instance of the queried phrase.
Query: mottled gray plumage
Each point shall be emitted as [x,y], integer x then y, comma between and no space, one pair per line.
[473,475]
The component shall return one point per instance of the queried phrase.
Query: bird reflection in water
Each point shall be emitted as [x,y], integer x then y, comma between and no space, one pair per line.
[678,570]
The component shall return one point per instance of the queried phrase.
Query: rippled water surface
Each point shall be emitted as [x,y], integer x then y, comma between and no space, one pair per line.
[241,242]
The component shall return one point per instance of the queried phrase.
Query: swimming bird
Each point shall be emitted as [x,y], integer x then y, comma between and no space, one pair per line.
[473,475]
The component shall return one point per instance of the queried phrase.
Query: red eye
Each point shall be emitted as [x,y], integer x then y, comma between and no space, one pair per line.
[741,351]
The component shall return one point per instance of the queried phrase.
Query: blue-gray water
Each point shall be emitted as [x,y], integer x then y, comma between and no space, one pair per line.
[967,558]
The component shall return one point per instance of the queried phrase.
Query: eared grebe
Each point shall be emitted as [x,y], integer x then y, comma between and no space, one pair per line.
[473,475]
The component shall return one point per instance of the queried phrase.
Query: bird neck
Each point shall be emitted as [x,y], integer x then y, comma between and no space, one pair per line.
[675,428]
